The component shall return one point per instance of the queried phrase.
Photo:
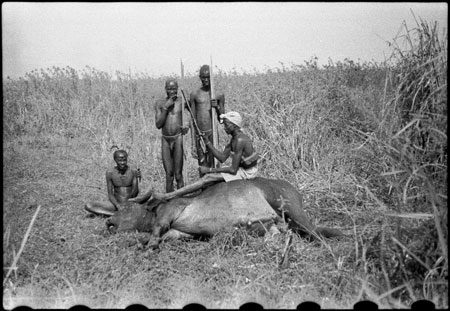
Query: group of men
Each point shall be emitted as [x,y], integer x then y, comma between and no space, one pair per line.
[122,181]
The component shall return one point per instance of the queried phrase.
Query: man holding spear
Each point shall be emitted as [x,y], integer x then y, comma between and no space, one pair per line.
[206,107]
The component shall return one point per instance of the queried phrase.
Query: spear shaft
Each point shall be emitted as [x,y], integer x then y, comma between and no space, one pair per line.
[202,142]
[185,173]
[213,111]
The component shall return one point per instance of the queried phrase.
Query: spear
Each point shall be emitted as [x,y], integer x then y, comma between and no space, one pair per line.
[202,142]
[213,111]
[185,174]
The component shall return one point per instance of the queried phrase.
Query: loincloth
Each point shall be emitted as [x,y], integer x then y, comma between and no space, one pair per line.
[171,139]
[241,173]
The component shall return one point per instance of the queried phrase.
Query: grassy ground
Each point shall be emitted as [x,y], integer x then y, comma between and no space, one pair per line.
[70,259]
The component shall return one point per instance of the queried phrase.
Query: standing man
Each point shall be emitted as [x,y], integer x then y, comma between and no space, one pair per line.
[122,184]
[168,118]
[201,105]
[244,159]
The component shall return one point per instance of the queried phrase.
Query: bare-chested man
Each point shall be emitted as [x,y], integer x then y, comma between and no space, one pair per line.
[201,104]
[122,184]
[240,148]
[169,119]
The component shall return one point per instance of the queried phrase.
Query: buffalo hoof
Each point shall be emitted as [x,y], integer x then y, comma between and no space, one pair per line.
[153,243]
[143,241]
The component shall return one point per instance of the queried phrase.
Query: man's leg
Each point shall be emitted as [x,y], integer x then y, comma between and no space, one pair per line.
[178,161]
[167,159]
[205,180]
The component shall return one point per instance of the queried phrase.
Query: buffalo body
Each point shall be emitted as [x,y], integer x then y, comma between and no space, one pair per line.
[249,203]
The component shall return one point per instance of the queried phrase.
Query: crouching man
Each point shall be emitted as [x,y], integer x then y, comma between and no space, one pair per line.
[122,184]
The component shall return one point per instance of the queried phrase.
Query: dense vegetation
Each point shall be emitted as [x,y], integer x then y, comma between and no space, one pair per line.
[365,142]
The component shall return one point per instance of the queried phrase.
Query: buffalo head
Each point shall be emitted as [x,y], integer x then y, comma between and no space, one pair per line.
[133,217]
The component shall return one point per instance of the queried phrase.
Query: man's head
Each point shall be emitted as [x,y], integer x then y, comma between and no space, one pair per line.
[231,120]
[121,159]
[171,87]
[204,75]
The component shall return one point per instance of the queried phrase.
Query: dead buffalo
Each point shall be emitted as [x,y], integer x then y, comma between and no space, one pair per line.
[220,207]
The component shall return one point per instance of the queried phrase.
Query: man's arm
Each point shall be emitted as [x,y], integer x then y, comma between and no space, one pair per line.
[221,156]
[193,138]
[236,158]
[134,185]
[110,187]
[219,105]
[186,123]
[161,108]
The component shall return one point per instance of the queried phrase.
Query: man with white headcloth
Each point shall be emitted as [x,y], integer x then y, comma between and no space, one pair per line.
[243,156]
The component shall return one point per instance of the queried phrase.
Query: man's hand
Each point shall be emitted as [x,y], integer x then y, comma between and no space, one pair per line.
[138,174]
[170,102]
[214,103]
[204,169]
[194,153]
[205,138]
[184,130]
[121,205]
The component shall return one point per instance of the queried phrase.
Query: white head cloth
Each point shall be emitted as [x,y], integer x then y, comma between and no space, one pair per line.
[233,117]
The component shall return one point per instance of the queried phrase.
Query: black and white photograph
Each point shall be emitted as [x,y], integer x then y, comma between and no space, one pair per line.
[225,155]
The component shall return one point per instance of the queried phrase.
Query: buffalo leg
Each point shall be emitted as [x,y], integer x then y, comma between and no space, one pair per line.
[156,236]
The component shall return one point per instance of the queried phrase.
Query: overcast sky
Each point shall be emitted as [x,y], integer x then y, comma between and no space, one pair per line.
[153,37]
